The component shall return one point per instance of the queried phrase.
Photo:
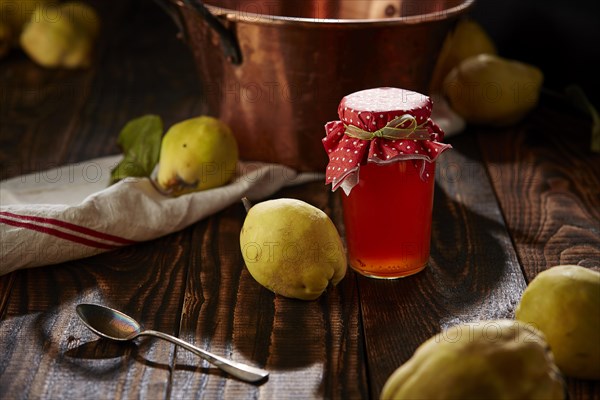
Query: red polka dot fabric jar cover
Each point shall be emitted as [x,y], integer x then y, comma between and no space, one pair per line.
[382,125]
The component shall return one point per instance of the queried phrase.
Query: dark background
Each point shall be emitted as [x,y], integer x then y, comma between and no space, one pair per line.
[562,37]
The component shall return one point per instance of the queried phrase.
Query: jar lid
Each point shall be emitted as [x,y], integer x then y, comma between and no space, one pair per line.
[382,125]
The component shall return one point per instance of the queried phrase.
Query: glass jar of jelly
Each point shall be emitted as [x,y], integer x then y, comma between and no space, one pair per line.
[382,154]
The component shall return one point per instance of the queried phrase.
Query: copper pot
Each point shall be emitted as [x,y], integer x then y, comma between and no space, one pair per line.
[275,71]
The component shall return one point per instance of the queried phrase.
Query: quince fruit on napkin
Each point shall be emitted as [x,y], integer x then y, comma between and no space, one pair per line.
[564,303]
[292,248]
[487,89]
[196,154]
[61,36]
[466,40]
[500,359]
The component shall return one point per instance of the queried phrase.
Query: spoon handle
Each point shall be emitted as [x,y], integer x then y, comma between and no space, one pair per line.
[239,370]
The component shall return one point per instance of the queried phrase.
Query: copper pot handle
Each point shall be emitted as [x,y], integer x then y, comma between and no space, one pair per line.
[168,8]
[228,41]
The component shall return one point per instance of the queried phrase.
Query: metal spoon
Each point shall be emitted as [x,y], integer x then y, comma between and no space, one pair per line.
[115,325]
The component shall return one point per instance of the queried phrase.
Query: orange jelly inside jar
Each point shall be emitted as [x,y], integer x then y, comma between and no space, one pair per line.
[388,218]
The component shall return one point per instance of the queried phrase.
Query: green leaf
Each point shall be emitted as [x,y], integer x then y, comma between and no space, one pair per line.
[140,140]
[580,100]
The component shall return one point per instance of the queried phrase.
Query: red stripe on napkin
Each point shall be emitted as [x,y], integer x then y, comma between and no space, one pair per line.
[73,227]
[58,233]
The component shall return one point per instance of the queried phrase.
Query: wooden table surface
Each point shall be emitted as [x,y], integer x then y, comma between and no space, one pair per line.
[509,203]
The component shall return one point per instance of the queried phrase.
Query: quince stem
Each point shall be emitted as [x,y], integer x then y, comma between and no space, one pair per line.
[247,204]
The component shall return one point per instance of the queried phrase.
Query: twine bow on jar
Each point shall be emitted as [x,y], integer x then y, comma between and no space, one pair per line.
[393,130]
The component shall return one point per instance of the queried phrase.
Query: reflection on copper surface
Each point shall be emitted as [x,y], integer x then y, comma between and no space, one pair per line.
[295,71]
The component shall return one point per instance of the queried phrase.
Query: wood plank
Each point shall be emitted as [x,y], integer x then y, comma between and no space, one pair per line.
[53,116]
[50,117]
[144,69]
[42,107]
[548,185]
[36,132]
[473,273]
[46,352]
[312,349]
[6,284]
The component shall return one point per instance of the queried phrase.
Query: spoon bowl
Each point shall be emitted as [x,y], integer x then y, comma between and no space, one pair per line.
[108,323]
[115,325]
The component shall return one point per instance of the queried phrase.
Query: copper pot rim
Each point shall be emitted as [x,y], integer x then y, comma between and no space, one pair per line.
[266,19]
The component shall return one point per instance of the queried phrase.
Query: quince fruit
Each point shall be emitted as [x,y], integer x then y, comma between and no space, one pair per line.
[564,303]
[61,36]
[196,154]
[466,40]
[292,248]
[501,359]
[488,89]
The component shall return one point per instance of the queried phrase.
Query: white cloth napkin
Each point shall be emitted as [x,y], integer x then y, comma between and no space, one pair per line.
[70,212]
[451,123]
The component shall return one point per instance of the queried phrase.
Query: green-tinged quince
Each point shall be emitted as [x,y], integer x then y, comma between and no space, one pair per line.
[491,90]
[500,359]
[468,39]
[292,248]
[197,154]
[564,303]
[62,36]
